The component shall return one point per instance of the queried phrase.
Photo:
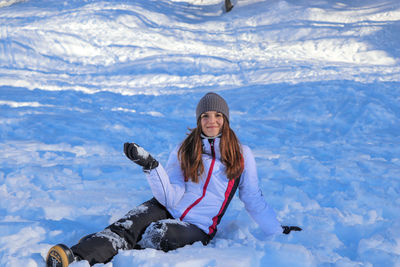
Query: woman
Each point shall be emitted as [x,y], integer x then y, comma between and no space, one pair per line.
[191,194]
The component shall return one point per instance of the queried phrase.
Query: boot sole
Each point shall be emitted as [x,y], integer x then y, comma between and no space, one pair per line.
[59,256]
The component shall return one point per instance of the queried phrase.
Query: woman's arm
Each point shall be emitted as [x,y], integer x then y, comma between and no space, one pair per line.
[252,197]
[167,185]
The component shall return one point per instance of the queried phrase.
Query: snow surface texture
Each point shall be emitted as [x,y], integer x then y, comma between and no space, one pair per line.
[4,3]
[313,88]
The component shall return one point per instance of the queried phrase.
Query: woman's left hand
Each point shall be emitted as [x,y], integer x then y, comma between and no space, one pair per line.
[287,229]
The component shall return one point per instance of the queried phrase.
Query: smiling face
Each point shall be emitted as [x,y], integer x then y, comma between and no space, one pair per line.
[211,123]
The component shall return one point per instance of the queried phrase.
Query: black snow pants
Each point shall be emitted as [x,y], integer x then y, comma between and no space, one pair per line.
[149,225]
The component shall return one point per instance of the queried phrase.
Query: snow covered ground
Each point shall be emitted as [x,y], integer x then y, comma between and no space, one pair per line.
[313,87]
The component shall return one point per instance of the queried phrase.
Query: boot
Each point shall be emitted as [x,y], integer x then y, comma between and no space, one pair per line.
[59,256]
[86,237]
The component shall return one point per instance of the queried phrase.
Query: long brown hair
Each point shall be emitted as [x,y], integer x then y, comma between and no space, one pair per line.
[191,150]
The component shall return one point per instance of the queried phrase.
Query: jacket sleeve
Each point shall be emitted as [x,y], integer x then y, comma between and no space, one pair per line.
[167,185]
[252,197]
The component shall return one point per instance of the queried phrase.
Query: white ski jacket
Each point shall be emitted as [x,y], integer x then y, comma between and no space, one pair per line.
[204,203]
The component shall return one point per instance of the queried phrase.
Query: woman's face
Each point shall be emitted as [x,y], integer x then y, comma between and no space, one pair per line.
[211,123]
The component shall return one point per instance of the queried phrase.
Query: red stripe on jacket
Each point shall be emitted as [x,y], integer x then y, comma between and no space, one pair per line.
[205,184]
[227,193]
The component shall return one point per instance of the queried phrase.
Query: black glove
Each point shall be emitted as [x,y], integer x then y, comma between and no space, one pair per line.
[287,229]
[140,156]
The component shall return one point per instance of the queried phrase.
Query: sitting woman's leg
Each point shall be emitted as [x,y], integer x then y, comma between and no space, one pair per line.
[123,234]
[170,234]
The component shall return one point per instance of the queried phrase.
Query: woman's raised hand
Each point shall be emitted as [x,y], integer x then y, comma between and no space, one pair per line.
[140,156]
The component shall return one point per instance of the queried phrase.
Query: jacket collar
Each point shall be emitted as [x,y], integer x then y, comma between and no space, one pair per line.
[207,146]
[203,136]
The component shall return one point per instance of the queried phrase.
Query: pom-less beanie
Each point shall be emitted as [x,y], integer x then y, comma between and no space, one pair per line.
[212,102]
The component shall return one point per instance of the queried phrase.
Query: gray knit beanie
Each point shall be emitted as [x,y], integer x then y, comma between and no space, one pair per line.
[212,102]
